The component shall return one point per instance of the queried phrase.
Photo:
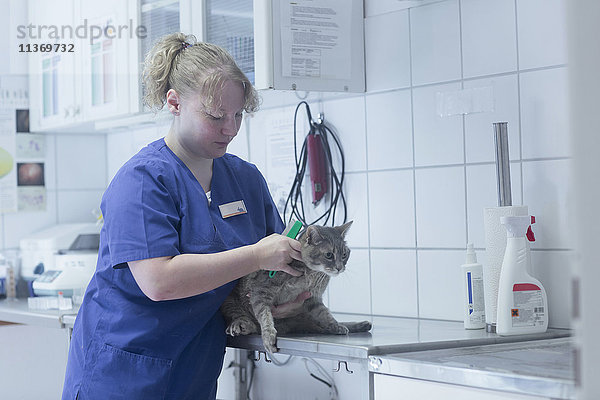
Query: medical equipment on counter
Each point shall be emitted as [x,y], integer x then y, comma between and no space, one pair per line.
[317,153]
[50,302]
[73,268]
[38,250]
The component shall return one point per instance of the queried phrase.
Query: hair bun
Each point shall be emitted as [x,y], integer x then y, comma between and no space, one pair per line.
[202,69]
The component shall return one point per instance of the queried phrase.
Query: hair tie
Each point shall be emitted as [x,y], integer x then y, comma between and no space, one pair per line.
[185,45]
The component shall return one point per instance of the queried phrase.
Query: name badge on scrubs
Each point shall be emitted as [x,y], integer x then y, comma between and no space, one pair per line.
[233,208]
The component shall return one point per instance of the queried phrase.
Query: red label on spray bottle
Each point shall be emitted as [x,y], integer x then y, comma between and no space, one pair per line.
[528,305]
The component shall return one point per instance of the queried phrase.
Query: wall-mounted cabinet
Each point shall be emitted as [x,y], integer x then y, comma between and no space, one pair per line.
[229,24]
[84,72]
[309,45]
[94,83]
[109,89]
[54,100]
[292,45]
[163,17]
[91,76]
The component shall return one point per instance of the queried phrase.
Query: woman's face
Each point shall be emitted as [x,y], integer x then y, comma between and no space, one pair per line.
[206,133]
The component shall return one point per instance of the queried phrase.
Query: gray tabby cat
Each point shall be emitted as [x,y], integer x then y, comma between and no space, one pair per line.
[247,310]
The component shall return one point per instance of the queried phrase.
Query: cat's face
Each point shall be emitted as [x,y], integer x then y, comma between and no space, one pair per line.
[324,248]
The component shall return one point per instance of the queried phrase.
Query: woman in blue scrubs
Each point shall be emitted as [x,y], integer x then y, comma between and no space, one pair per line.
[183,221]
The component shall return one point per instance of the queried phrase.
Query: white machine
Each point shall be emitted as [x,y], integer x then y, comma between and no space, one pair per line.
[38,250]
[73,272]
[60,259]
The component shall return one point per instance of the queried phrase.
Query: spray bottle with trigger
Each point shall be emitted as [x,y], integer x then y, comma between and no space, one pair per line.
[522,300]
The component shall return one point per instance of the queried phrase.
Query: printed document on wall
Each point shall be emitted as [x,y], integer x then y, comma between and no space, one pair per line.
[280,163]
[315,39]
[8,175]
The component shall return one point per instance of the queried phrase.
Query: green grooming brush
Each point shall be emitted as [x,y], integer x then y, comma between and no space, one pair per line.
[292,231]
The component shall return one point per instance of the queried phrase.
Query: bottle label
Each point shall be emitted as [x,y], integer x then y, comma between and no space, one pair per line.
[475,298]
[528,305]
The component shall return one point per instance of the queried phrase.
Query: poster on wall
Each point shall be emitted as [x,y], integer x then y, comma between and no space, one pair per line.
[30,146]
[14,92]
[22,154]
[281,163]
[281,166]
[8,174]
[31,186]
[30,152]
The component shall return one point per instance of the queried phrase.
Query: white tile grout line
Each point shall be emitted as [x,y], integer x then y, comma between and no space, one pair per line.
[414,172]
[519,103]
[320,108]
[560,249]
[56,216]
[466,79]
[467,164]
[368,208]
[464,134]
[425,85]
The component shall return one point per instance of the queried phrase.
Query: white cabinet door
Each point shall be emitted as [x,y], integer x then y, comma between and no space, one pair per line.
[389,387]
[97,77]
[230,24]
[54,100]
[33,360]
[109,58]
[192,16]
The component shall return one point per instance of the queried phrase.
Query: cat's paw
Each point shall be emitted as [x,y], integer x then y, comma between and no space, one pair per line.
[363,326]
[241,326]
[341,330]
[269,337]
[354,327]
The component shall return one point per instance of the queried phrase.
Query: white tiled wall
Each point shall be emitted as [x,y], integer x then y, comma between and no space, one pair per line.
[417,183]
[542,40]
[75,178]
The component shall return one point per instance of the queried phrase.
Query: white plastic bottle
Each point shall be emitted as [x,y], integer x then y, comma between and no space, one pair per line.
[522,301]
[472,278]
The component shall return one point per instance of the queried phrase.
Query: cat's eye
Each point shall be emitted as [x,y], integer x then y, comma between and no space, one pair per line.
[329,255]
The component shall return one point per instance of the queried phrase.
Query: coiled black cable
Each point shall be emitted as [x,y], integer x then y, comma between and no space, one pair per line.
[335,193]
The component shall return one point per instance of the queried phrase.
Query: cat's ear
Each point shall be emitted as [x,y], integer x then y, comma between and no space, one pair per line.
[342,229]
[313,236]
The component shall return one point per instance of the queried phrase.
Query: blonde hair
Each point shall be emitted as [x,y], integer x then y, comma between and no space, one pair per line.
[177,61]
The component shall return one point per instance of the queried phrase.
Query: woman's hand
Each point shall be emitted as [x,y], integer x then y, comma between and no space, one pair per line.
[275,252]
[290,308]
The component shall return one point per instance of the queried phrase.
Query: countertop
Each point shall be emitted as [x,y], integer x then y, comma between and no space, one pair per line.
[18,312]
[441,351]
[543,368]
[388,336]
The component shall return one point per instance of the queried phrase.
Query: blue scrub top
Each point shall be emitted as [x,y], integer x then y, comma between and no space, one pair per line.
[126,346]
